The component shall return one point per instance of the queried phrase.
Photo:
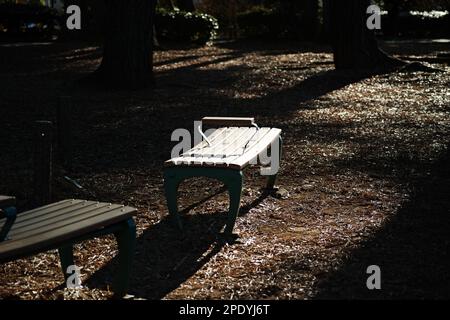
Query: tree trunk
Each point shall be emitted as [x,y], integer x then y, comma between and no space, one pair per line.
[393,7]
[311,18]
[186,5]
[354,45]
[128,46]
[326,18]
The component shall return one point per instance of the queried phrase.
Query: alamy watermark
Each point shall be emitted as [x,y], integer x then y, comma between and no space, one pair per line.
[73,280]
[374,20]
[374,280]
[73,22]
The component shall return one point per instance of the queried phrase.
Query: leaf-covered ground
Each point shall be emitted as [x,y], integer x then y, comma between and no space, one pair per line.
[364,178]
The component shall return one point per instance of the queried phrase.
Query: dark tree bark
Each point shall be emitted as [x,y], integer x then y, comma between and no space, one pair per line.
[354,45]
[186,5]
[326,17]
[311,18]
[393,8]
[128,46]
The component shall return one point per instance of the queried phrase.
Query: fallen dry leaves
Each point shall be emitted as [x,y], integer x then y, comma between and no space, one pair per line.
[357,150]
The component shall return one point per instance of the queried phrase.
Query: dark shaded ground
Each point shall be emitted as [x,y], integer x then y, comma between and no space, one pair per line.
[365,171]
[412,249]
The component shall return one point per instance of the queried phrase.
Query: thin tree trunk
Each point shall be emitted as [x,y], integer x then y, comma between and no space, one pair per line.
[128,46]
[354,45]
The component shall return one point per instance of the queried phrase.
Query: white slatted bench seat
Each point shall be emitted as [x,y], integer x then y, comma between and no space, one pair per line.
[223,155]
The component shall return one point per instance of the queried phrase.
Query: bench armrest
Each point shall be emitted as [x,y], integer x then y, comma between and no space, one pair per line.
[228,121]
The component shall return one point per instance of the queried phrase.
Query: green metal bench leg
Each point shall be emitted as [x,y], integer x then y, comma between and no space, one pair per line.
[66,258]
[234,184]
[272,179]
[126,241]
[171,183]
[231,178]
[271,182]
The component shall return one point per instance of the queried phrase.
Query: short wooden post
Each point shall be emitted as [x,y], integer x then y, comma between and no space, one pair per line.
[64,129]
[43,162]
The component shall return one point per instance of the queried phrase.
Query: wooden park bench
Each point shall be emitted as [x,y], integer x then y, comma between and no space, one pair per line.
[62,224]
[223,155]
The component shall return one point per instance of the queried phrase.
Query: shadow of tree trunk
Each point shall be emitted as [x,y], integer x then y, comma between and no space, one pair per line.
[412,250]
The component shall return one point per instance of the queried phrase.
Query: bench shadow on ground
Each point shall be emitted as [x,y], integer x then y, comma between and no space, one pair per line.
[412,249]
[165,257]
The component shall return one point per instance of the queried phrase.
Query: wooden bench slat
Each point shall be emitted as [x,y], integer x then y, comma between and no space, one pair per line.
[27,217]
[217,134]
[260,134]
[233,161]
[237,149]
[50,220]
[214,143]
[238,158]
[246,138]
[70,219]
[221,142]
[240,151]
[51,206]
[39,239]
[241,138]
[257,149]
[218,150]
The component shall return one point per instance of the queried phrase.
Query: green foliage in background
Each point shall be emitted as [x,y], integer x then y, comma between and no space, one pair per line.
[180,26]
